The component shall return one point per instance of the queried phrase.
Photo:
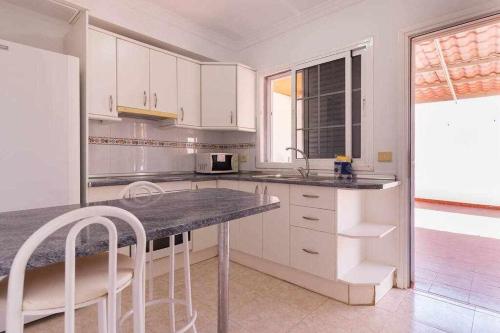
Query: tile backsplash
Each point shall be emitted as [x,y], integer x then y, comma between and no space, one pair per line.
[133,146]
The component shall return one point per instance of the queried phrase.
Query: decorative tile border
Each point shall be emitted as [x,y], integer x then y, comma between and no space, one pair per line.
[98,140]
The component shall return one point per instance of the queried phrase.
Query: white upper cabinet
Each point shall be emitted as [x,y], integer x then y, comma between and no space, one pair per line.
[133,75]
[227,97]
[245,82]
[101,73]
[218,95]
[163,82]
[188,81]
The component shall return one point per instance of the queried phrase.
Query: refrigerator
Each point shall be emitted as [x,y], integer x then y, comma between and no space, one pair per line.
[39,128]
[39,131]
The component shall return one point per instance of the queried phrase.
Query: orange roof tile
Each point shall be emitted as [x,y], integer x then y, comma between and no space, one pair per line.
[472,58]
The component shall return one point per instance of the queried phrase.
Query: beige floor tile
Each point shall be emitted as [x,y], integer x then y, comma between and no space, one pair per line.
[486,323]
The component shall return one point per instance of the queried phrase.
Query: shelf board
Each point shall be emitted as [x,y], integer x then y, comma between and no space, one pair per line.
[368,230]
[143,113]
[104,118]
[367,273]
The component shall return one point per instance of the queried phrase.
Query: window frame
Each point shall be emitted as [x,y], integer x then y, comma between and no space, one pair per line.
[366,162]
[267,114]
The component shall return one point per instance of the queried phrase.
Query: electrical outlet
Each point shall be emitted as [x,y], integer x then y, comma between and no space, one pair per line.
[243,158]
[385,156]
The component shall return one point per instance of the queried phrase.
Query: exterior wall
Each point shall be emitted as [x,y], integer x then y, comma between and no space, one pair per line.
[457,155]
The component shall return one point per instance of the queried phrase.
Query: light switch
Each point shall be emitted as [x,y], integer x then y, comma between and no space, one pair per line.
[385,156]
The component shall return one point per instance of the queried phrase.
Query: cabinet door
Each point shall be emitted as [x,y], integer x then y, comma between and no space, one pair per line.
[249,239]
[188,80]
[276,226]
[133,75]
[246,98]
[218,96]
[163,81]
[205,237]
[101,71]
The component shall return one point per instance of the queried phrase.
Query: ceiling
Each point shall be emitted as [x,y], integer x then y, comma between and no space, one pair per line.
[243,22]
[463,64]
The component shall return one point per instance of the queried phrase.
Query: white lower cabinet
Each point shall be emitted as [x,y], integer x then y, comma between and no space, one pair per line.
[205,237]
[276,226]
[313,252]
[248,231]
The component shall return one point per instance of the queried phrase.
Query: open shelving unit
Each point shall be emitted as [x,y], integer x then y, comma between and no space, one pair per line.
[367,242]
[367,230]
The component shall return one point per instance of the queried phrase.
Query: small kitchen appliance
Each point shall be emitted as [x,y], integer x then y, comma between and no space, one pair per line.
[213,163]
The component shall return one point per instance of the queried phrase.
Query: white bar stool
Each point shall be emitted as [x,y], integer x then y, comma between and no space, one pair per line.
[77,282]
[142,188]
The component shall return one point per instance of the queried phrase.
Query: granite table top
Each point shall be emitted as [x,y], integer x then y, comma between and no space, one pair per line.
[356,183]
[162,215]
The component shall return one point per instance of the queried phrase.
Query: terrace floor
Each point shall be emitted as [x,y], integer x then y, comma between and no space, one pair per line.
[458,254]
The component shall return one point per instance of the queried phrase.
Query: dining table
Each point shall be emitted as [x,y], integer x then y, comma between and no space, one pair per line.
[161,215]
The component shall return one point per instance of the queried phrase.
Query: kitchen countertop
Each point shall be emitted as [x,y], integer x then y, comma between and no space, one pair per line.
[357,183]
[162,215]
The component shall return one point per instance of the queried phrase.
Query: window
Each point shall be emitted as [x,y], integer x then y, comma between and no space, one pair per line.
[279,117]
[330,106]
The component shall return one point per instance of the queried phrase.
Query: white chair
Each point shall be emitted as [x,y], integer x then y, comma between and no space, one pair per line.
[143,188]
[77,282]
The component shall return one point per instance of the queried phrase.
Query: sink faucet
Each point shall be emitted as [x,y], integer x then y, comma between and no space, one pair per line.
[303,172]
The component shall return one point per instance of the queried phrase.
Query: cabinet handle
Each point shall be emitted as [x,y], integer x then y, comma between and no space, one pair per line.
[256,189]
[311,196]
[265,190]
[4,47]
[182,114]
[196,187]
[231,117]
[310,251]
[310,218]
[111,103]
[156,100]
[145,98]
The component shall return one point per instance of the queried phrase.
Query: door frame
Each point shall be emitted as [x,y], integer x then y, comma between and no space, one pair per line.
[407,122]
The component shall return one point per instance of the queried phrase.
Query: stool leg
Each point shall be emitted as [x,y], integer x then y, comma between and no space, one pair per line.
[187,278]
[171,284]
[150,273]
[102,316]
[118,311]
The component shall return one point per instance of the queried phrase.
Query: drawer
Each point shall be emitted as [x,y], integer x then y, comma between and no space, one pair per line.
[312,196]
[313,252]
[313,218]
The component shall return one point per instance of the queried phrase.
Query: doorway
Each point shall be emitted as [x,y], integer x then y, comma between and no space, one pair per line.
[456,147]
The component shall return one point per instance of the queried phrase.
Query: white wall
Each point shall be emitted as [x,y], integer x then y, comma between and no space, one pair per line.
[27,27]
[382,20]
[457,155]
[150,19]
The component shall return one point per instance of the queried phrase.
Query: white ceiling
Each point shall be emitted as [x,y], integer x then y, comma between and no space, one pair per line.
[244,22]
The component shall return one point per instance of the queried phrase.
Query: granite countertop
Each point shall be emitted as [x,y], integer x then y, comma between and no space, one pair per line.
[162,215]
[357,183]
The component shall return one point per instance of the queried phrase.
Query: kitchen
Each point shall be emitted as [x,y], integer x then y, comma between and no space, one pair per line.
[150,106]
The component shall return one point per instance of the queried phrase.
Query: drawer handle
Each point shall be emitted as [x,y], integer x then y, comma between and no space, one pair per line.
[310,218]
[310,251]
[312,196]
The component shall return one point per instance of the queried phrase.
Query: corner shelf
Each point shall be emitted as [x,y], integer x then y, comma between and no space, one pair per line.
[367,273]
[368,230]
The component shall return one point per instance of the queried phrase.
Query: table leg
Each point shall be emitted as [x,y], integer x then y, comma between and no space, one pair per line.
[223,294]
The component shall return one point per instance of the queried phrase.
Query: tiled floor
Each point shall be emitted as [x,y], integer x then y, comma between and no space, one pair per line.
[460,260]
[261,303]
